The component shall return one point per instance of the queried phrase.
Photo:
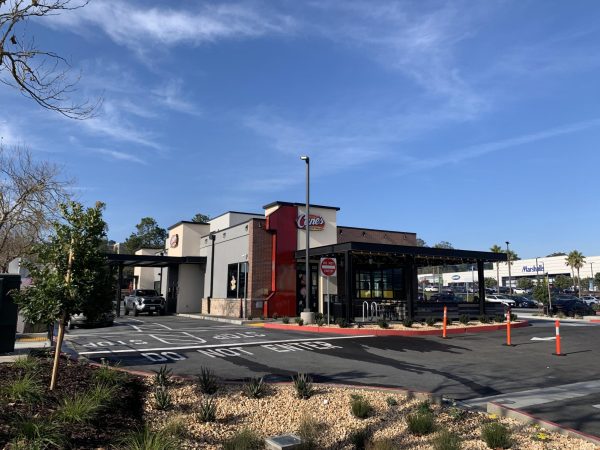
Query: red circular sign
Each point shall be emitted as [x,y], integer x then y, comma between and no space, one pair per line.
[328,267]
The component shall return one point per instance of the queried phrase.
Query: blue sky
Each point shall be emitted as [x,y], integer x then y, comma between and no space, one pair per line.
[470,122]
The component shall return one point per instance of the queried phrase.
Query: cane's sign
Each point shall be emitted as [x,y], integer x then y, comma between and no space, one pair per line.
[316,223]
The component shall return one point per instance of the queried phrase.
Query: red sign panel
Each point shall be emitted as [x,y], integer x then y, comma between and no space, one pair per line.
[316,223]
[328,267]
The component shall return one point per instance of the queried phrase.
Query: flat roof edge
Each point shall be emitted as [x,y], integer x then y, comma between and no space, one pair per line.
[299,204]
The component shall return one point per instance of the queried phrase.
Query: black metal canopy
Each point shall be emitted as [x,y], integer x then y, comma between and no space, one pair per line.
[152,260]
[423,256]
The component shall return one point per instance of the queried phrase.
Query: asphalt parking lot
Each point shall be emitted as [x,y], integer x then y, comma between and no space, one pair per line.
[473,368]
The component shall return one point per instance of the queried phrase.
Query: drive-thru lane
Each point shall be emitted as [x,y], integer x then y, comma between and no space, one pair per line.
[464,367]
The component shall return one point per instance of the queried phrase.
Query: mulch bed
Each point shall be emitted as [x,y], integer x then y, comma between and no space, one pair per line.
[123,415]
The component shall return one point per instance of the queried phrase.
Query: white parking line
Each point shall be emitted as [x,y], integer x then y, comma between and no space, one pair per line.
[236,344]
[161,325]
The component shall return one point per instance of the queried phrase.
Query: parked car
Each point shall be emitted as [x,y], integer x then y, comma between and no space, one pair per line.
[521,291]
[444,298]
[497,298]
[145,300]
[572,308]
[590,299]
[80,320]
[431,288]
[524,302]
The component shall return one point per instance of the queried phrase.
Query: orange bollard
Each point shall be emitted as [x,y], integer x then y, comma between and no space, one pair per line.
[508,343]
[445,322]
[558,353]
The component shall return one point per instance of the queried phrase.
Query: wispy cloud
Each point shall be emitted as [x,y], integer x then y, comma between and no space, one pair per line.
[172,95]
[476,151]
[136,26]
[119,156]
[9,136]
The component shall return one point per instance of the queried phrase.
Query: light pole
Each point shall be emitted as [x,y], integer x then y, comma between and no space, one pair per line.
[509,275]
[307,282]
[472,282]
[537,273]
[592,272]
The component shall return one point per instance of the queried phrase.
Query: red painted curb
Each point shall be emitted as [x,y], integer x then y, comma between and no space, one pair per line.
[382,332]
[594,320]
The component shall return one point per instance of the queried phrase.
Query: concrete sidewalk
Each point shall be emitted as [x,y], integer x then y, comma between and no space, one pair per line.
[530,316]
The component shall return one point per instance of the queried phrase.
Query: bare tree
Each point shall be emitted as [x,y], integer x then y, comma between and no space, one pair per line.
[30,193]
[42,75]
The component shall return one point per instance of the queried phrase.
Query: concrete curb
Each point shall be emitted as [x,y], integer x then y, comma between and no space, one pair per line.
[586,319]
[383,332]
[528,419]
[214,318]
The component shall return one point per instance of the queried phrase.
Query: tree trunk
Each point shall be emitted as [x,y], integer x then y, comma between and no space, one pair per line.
[498,277]
[57,350]
[578,283]
[573,278]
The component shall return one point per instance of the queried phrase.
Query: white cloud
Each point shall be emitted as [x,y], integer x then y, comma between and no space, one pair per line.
[476,151]
[141,28]
[172,96]
[9,135]
[120,156]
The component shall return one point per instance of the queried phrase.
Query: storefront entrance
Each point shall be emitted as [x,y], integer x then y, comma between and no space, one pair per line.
[301,287]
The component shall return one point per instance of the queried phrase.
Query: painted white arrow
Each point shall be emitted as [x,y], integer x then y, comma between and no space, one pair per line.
[543,339]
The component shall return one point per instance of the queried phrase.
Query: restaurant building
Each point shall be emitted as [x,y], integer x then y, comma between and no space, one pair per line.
[246,264]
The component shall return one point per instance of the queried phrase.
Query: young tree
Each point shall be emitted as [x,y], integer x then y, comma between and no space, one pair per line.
[562,282]
[443,244]
[148,235]
[575,260]
[70,274]
[540,291]
[200,218]
[490,282]
[556,254]
[421,243]
[41,75]
[525,283]
[30,192]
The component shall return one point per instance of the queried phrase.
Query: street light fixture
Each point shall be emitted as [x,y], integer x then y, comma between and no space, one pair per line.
[307,282]
[509,274]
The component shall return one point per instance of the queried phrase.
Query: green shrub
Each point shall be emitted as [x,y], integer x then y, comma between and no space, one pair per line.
[361,408]
[79,408]
[244,440]
[208,410]
[162,376]
[382,444]
[420,423]
[430,321]
[108,375]
[208,383]
[275,316]
[309,431]
[298,319]
[513,317]
[341,322]
[360,438]
[303,385]
[499,318]
[464,319]
[484,319]
[162,398]
[27,364]
[407,322]
[255,388]
[496,435]
[560,315]
[456,413]
[176,427]
[391,401]
[424,407]
[320,322]
[33,433]
[446,440]
[25,389]
[318,316]
[596,306]
[145,439]
[383,323]
[103,393]
[285,320]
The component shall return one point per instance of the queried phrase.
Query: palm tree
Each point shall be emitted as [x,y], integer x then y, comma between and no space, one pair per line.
[575,260]
[497,249]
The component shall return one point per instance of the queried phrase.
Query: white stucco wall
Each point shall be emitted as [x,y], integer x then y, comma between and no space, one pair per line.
[145,275]
[231,246]
[191,288]
[189,239]
[230,219]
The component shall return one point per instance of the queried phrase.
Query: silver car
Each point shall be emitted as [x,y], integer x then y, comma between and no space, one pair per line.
[145,301]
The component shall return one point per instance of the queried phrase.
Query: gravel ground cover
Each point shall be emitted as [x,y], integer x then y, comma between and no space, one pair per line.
[280,411]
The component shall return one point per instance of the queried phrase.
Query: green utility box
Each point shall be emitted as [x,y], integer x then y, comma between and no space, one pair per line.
[8,312]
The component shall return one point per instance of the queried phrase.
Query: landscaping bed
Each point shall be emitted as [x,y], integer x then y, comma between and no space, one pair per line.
[327,419]
[89,408]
